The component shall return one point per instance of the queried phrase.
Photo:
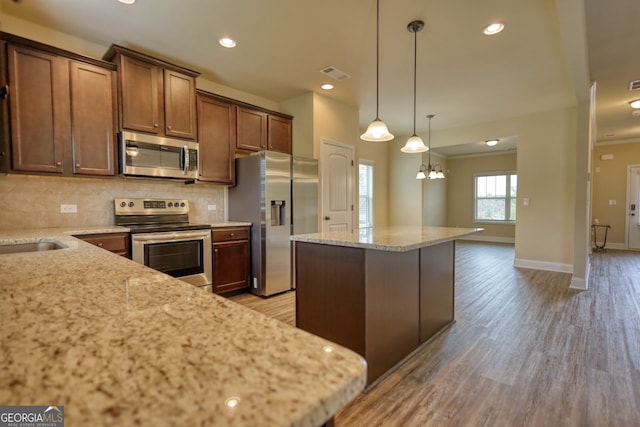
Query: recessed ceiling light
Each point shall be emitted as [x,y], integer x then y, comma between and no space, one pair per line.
[635,103]
[232,402]
[492,142]
[494,28]
[127,1]
[327,86]
[227,42]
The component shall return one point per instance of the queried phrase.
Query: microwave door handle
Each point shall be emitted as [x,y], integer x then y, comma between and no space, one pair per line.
[185,158]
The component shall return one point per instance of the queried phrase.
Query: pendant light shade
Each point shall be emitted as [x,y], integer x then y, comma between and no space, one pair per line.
[377,130]
[414,144]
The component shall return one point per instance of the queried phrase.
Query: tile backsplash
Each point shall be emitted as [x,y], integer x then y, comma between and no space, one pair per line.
[31,201]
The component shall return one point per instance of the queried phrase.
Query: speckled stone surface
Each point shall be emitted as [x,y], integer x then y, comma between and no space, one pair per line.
[230,224]
[395,239]
[119,344]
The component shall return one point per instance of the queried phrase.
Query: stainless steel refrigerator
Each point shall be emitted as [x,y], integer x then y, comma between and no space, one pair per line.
[264,195]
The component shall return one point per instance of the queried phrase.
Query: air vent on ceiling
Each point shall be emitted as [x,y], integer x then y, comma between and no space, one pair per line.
[334,73]
[634,85]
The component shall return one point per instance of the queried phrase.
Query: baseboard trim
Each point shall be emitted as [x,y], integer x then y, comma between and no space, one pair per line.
[491,239]
[542,265]
[579,282]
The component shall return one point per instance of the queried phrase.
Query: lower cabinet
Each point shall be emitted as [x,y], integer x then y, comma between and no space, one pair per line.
[118,243]
[231,259]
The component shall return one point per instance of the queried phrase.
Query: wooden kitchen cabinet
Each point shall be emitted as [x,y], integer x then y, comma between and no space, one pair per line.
[279,134]
[259,130]
[118,243]
[92,120]
[61,110]
[231,259]
[155,97]
[251,129]
[216,138]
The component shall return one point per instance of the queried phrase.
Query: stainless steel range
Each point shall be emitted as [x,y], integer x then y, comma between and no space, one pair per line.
[163,238]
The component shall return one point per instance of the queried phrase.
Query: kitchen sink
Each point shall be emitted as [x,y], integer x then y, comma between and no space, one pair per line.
[30,247]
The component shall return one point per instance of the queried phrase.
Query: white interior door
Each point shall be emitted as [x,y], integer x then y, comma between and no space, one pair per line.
[337,170]
[633,218]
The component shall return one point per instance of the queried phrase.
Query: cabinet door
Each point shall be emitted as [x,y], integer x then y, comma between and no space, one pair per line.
[216,139]
[279,134]
[251,129]
[230,266]
[139,95]
[92,119]
[38,99]
[118,243]
[179,105]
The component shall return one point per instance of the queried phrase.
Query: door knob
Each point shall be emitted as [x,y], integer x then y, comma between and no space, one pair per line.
[327,218]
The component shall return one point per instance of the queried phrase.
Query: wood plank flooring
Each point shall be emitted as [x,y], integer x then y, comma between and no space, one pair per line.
[525,349]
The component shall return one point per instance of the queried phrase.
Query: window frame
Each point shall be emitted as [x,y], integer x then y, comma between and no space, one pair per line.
[370,196]
[508,197]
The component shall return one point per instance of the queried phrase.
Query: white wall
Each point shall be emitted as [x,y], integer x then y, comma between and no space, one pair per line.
[546,166]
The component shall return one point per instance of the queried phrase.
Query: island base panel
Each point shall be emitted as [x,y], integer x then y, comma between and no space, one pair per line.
[392,309]
[330,293]
[436,288]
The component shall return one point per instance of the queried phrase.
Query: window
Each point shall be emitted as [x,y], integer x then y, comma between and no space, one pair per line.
[495,197]
[365,205]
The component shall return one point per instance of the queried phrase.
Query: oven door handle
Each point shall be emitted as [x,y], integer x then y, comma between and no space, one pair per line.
[169,237]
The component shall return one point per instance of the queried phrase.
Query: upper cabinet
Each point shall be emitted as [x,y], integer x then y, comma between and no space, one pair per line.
[216,138]
[279,133]
[61,110]
[154,96]
[252,129]
[261,130]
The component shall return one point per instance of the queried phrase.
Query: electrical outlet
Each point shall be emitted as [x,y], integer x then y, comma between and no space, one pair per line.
[212,207]
[68,208]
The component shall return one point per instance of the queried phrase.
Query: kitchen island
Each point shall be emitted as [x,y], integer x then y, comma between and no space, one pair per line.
[381,292]
[117,343]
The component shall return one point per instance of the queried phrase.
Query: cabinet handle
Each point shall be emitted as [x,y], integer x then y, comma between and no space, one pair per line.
[4,92]
[155,125]
[215,250]
[58,163]
[77,165]
[99,245]
[169,127]
[232,234]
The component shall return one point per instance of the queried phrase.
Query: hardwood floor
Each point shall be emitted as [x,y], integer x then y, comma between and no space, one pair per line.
[525,349]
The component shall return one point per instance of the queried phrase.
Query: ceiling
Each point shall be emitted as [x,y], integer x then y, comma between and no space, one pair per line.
[464,77]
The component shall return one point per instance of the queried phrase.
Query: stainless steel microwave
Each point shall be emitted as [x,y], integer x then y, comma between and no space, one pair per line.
[155,156]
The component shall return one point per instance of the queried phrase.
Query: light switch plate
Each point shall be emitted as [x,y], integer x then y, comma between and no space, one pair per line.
[525,201]
[212,207]
[68,208]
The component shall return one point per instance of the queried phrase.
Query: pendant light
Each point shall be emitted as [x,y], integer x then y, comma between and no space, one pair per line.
[414,144]
[429,171]
[377,130]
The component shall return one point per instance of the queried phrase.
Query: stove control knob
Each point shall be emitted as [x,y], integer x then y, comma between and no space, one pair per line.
[182,204]
[131,204]
[123,204]
[170,204]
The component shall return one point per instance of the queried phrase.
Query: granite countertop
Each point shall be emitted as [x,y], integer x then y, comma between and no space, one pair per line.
[230,224]
[117,343]
[393,239]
